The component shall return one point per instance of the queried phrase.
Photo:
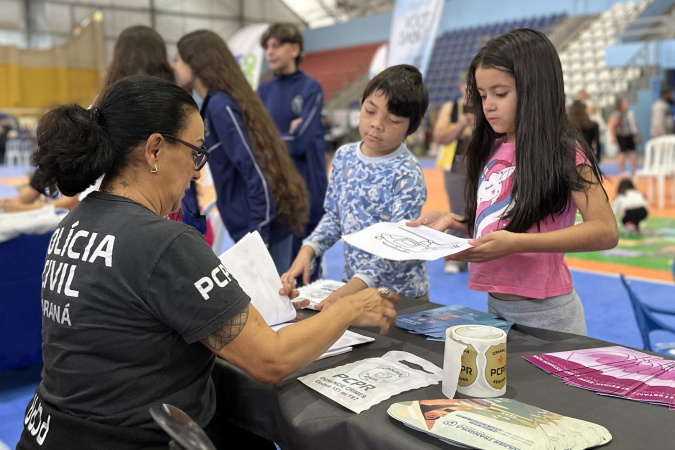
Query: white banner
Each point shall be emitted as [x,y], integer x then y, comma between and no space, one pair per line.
[379,61]
[245,46]
[413,32]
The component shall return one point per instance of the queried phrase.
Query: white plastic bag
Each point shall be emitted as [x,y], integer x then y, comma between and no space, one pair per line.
[362,384]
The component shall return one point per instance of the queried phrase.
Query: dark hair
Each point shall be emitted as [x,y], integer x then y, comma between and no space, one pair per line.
[546,142]
[76,146]
[405,91]
[284,33]
[139,50]
[624,185]
[212,62]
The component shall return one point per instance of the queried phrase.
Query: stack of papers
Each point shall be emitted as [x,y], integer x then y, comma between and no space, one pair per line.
[434,322]
[343,345]
[317,291]
[616,371]
[498,424]
[251,265]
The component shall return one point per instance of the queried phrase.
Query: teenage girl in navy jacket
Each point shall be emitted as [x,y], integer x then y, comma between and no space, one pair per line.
[257,185]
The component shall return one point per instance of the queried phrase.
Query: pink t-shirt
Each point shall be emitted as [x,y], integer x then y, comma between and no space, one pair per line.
[535,275]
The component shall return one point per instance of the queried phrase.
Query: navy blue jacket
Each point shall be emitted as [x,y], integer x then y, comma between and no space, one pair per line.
[286,98]
[243,195]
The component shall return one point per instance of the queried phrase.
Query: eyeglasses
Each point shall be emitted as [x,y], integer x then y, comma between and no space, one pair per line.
[200,156]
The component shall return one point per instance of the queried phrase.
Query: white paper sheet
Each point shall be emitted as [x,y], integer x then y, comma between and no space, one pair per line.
[343,345]
[252,266]
[317,291]
[398,242]
[35,221]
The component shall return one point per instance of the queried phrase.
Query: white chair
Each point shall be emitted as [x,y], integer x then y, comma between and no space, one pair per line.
[13,154]
[28,147]
[19,152]
[659,163]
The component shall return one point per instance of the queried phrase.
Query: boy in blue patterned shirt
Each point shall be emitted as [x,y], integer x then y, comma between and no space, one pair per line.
[375,180]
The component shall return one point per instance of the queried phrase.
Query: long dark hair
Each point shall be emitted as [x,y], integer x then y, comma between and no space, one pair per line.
[211,60]
[546,172]
[76,146]
[139,50]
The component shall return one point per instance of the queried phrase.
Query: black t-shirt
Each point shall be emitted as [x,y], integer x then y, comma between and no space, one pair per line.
[126,296]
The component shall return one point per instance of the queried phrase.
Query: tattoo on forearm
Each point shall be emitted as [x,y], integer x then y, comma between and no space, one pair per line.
[223,336]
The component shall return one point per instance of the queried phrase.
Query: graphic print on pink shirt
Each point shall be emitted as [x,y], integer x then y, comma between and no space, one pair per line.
[494,196]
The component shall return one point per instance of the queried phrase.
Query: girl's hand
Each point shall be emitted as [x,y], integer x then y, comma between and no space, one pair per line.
[440,221]
[491,246]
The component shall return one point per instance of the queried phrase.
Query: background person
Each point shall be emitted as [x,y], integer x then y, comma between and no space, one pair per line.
[600,139]
[630,206]
[455,123]
[579,117]
[257,186]
[621,132]
[294,101]
[662,121]
[129,328]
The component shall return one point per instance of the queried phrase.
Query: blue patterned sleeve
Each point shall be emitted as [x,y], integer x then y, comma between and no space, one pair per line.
[408,197]
[329,229]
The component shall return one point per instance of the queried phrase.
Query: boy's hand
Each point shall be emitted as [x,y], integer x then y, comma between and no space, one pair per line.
[301,266]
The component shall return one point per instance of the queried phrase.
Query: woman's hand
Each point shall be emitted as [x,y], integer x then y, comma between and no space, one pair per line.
[351,287]
[440,221]
[375,309]
[491,246]
[287,289]
[328,301]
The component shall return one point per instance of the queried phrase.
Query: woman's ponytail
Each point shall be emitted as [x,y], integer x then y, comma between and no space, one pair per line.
[73,150]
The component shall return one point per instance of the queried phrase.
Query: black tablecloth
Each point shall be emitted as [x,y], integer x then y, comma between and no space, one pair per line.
[297,417]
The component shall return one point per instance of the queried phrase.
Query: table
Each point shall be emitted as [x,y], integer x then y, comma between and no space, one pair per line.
[22,261]
[297,417]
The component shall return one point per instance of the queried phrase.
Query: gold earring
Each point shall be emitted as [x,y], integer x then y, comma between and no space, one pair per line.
[155,170]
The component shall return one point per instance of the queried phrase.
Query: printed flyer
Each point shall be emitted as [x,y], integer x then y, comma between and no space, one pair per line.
[616,371]
[317,291]
[498,424]
[434,322]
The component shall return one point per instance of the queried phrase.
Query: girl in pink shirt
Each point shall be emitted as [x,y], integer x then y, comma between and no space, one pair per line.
[521,199]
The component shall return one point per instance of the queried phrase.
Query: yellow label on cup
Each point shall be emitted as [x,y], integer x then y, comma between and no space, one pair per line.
[482,372]
[495,365]
[469,371]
